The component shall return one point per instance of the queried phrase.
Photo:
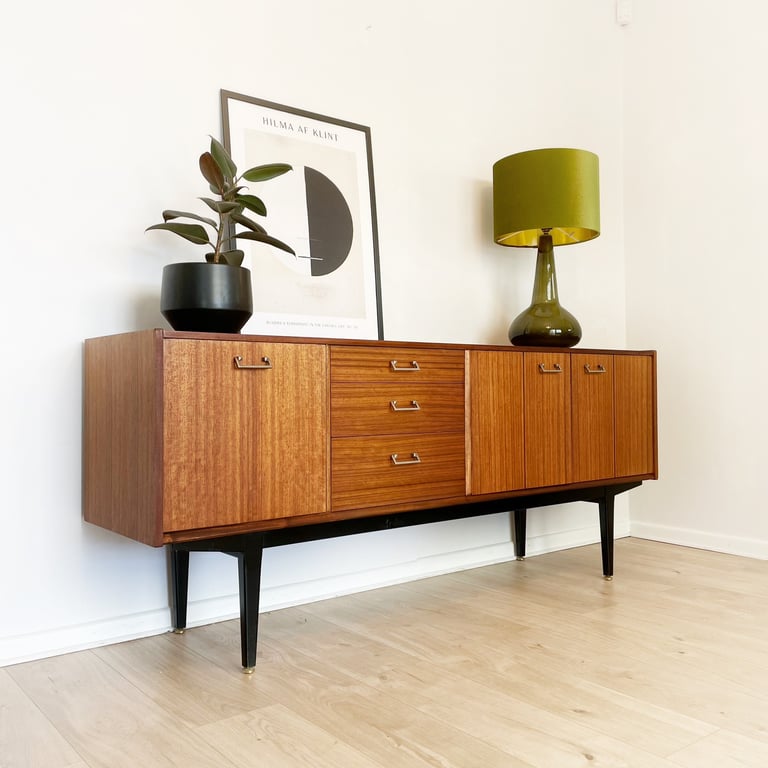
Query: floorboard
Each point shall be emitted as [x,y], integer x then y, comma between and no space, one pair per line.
[533,664]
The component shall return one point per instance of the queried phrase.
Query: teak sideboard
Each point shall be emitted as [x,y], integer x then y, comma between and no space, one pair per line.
[234,443]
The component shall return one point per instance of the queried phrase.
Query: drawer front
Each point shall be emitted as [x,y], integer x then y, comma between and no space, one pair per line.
[390,409]
[370,472]
[391,364]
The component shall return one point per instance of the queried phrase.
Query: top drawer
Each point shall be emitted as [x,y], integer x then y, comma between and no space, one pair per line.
[393,364]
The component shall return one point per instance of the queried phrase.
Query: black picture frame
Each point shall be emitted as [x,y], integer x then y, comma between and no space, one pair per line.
[325,209]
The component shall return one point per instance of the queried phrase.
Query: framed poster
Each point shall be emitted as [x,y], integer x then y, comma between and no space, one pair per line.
[325,209]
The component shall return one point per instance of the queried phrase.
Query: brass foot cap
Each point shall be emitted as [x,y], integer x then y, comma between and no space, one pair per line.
[520,558]
[179,631]
[608,578]
[248,670]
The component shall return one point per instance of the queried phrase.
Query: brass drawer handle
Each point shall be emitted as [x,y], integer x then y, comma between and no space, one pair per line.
[415,459]
[555,369]
[267,363]
[414,406]
[414,366]
[600,368]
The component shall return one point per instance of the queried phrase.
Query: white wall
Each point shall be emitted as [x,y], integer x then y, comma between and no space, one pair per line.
[696,168]
[106,108]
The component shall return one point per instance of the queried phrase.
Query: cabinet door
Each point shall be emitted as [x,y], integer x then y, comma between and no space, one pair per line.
[547,380]
[593,417]
[243,444]
[496,422]
[635,388]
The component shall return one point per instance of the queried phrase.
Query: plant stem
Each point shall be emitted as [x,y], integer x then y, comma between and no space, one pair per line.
[223,225]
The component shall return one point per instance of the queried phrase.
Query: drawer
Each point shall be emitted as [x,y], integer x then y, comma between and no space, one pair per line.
[389,364]
[390,409]
[364,472]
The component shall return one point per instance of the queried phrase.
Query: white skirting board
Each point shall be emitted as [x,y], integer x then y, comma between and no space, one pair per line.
[21,648]
[690,537]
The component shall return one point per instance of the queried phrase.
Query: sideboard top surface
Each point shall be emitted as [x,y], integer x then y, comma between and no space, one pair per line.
[163,333]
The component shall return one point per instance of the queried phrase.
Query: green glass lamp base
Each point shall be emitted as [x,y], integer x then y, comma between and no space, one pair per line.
[545,325]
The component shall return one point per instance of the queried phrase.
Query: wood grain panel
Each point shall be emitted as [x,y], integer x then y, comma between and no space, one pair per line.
[473,668]
[243,445]
[547,396]
[496,455]
[374,364]
[366,410]
[122,470]
[364,475]
[114,725]
[635,393]
[592,417]
[27,738]
[178,442]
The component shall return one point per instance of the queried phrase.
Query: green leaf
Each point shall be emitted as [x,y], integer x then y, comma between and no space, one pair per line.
[234,258]
[223,160]
[266,172]
[211,171]
[220,206]
[252,203]
[168,215]
[266,239]
[246,222]
[192,232]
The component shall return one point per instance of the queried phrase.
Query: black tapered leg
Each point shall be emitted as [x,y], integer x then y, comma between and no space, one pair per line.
[520,519]
[249,570]
[606,533]
[179,587]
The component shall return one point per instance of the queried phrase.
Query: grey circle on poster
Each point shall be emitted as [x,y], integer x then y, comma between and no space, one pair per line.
[330,223]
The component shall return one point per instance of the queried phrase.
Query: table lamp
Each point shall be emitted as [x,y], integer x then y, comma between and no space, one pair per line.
[543,198]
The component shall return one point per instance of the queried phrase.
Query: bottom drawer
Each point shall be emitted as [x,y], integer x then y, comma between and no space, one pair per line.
[373,471]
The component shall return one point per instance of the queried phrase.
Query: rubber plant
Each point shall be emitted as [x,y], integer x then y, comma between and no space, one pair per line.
[233,201]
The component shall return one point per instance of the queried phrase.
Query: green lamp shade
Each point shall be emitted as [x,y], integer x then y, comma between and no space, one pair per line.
[546,189]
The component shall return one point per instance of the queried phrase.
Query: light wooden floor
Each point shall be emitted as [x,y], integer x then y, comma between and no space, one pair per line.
[540,663]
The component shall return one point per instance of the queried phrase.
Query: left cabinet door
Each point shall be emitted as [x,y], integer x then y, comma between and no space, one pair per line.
[497,424]
[245,428]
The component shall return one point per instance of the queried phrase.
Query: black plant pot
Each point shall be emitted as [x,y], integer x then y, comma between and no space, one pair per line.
[199,296]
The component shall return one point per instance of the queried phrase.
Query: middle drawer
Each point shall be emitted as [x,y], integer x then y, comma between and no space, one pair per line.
[391,409]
